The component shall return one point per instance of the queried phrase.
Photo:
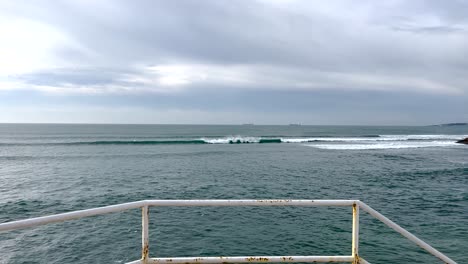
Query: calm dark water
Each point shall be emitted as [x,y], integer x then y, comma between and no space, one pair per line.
[416,176]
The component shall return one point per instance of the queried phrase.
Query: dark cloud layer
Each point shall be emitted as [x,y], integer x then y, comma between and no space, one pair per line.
[233,55]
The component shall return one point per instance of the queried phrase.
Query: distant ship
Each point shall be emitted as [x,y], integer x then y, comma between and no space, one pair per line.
[295,124]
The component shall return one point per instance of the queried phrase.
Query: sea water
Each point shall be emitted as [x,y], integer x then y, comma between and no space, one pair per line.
[416,176]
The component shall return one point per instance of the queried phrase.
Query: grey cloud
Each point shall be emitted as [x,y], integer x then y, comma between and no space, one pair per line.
[70,76]
[304,46]
[321,107]
[430,30]
[224,32]
[452,11]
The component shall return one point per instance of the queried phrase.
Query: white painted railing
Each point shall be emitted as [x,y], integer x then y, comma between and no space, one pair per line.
[145,204]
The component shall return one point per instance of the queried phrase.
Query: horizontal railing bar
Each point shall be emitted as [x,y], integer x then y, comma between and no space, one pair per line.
[69,216]
[250,202]
[126,206]
[252,259]
[406,234]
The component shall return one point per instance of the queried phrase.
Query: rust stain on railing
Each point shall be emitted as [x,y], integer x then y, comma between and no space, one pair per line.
[260,259]
[275,201]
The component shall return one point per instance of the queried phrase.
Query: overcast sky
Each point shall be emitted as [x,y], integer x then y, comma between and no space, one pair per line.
[231,62]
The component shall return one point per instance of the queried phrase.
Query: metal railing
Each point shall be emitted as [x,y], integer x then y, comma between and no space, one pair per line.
[145,204]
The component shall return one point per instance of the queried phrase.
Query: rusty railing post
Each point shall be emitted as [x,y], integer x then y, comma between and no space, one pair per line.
[144,234]
[355,239]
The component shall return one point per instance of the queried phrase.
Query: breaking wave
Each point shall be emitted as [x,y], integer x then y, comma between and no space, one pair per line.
[352,142]
[423,137]
[386,145]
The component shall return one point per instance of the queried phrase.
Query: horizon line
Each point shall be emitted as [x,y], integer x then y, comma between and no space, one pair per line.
[236,124]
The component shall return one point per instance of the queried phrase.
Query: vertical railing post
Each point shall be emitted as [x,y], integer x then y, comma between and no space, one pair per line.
[144,234]
[355,239]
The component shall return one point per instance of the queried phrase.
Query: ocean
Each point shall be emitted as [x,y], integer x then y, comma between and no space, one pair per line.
[417,176]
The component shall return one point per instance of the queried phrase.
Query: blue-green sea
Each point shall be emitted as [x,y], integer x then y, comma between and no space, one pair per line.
[417,176]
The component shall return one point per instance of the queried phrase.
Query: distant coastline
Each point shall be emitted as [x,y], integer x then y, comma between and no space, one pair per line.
[453,124]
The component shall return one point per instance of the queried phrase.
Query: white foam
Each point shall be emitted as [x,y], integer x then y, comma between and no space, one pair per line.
[386,145]
[374,139]
[423,137]
[243,139]
[332,139]
[370,140]
[233,139]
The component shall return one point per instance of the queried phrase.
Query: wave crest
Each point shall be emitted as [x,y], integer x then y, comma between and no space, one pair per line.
[352,142]
[389,145]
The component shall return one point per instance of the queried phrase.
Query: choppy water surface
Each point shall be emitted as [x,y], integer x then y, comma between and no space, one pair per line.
[417,176]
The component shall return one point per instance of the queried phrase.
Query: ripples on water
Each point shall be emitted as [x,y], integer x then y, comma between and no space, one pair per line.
[424,189]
